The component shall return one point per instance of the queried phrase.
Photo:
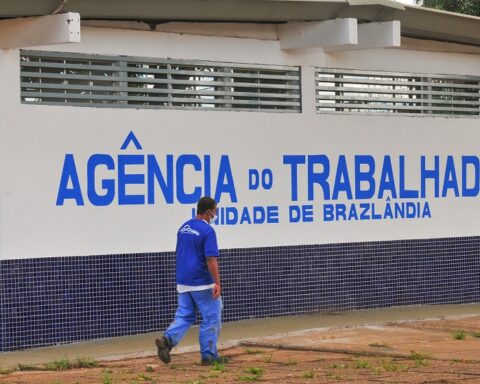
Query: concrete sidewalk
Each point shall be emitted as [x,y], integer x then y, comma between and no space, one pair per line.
[232,333]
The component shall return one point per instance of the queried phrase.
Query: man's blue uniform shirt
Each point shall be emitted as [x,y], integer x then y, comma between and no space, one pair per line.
[195,241]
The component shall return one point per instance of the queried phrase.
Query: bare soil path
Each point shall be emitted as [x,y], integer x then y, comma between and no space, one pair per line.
[427,351]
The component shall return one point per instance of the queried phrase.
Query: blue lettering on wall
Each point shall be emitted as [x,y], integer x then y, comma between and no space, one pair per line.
[469,162]
[387,181]
[125,178]
[111,179]
[319,178]
[433,174]
[342,180]
[405,193]
[294,161]
[182,162]
[450,178]
[69,174]
[156,174]
[108,185]
[337,181]
[364,176]
[225,182]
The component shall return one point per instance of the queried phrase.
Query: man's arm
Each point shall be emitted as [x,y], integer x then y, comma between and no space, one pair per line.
[212,264]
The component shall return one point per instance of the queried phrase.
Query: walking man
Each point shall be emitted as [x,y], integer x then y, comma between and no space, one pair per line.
[198,285]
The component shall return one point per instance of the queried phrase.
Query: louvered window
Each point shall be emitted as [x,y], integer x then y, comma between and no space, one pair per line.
[379,92]
[58,78]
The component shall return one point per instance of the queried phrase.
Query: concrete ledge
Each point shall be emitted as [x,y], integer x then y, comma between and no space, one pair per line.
[233,334]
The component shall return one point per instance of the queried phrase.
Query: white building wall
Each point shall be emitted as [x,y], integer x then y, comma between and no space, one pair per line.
[36,138]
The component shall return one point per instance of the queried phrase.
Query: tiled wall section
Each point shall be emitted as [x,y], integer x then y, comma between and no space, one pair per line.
[65,299]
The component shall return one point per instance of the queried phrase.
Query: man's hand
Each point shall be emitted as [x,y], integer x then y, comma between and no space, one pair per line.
[212,265]
[216,291]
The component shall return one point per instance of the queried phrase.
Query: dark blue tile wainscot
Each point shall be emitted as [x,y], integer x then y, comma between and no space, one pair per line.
[65,299]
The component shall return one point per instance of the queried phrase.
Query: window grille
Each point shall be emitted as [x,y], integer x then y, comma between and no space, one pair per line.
[59,78]
[343,91]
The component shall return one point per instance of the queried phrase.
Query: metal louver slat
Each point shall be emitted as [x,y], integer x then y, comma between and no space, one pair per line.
[149,106]
[88,78]
[399,83]
[69,96]
[390,91]
[142,70]
[74,57]
[346,91]
[405,101]
[118,81]
[400,108]
[93,88]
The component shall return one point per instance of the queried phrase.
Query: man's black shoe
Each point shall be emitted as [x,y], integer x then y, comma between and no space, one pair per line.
[213,361]
[163,349]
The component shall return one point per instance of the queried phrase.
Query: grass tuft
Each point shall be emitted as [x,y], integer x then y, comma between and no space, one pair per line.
[6,371]
[58,365]
[254,374]
[252,351]
[362,364]
[459,335]
[28,367]
[308,375]
[85,362]
[419,358]
[144,377]
[291,362]
[106,377]
[218,367]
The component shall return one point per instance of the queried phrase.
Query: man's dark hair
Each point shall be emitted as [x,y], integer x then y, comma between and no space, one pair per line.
[204,204]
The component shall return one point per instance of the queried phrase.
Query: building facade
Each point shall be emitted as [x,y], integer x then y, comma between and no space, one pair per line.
[348,177]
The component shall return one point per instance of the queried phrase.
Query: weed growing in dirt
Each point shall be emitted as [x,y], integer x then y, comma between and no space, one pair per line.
[149,369]
[218,367]
[106,377]
[27,367]
[419,358]
[308,375]
[291,362]
[85,362]
[361,364]
[178,368]
[459,335]
[268,358]
[333,376]
[254,371]
[58,365]
[389,365]
[338,366]
[6,371]
[254,374]
[476,334]
[62,364]
[251,351]
[144,377]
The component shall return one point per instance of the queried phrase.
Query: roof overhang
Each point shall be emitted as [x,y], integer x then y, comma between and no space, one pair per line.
[416,22]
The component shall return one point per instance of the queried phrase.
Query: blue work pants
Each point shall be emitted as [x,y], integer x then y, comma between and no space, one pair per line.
[210,310]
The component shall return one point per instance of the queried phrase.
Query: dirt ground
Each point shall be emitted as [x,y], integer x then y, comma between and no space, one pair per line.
[429,351]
